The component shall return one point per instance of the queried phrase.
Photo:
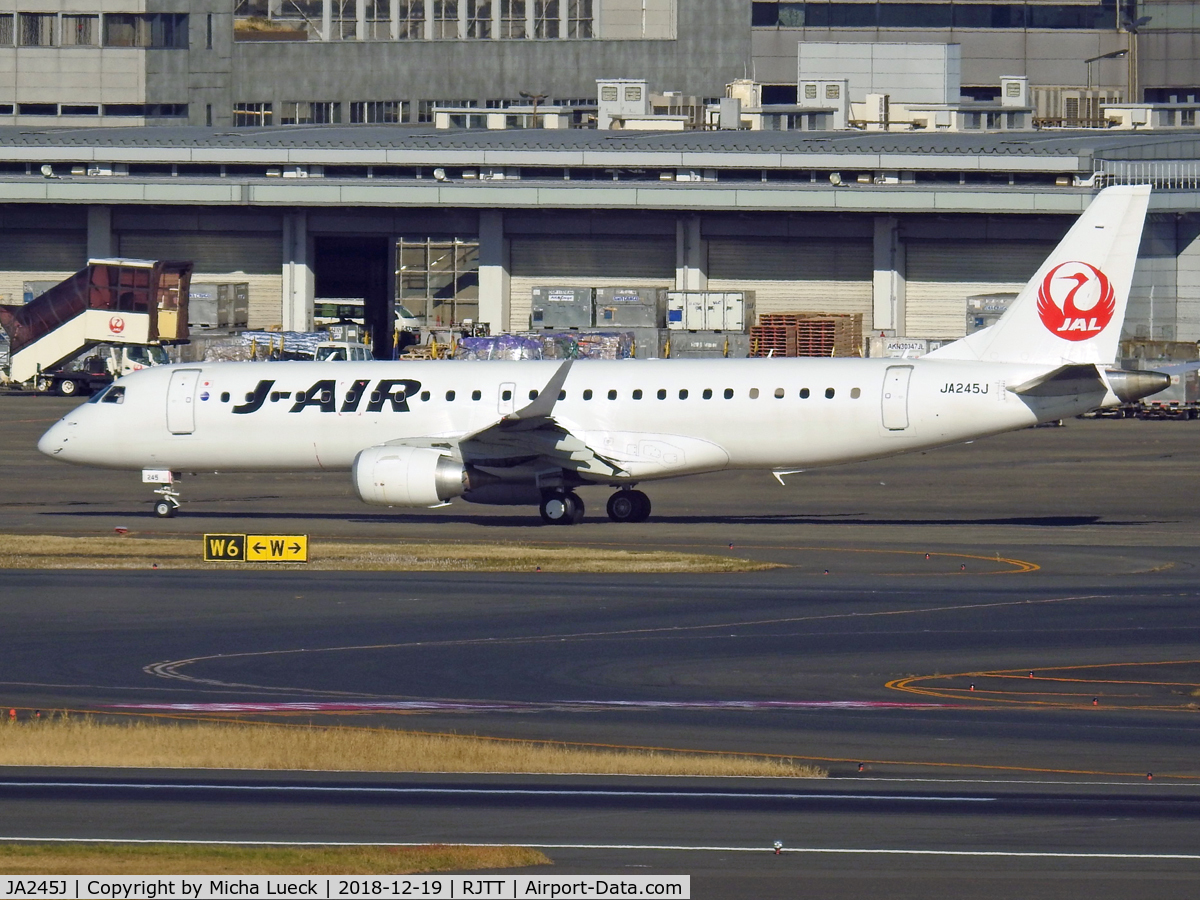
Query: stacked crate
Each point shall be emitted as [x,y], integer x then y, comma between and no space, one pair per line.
[807,334]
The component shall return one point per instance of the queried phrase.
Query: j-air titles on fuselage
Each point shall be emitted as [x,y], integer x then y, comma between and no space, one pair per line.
[391,391]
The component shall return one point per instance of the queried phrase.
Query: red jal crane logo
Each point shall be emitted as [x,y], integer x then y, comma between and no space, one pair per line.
[116,324]
[1076,301]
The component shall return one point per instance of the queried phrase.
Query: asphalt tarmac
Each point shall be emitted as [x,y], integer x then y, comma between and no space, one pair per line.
[1012,623]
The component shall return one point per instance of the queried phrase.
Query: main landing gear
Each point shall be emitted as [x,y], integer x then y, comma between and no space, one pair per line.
[629,506]
[562,508]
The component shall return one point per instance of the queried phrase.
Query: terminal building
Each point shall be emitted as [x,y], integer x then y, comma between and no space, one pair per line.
[902,228]
[245,63]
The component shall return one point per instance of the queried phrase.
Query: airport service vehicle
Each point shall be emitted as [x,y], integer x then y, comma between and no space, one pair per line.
[418,434]
[342,351]
[139,304]
[98,366]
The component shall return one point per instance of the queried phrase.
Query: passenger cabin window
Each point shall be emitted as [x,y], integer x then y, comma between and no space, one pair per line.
[728,393]
[779,393]
[507,395]
[753,393]
[662,395]
[424,396]
[683,394]
[225,397]
[587,395]
[562,395]
[707,393]
[533,395]
[612,395]
[637,394]
[828,393]
[450,395]
[803,393]
[855,393]
[476,395]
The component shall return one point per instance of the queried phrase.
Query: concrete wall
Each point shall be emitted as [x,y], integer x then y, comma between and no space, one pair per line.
[712,49]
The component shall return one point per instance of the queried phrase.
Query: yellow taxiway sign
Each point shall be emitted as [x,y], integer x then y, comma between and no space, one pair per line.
[256,547]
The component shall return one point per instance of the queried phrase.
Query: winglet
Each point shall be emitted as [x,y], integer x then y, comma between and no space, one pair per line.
[543,405]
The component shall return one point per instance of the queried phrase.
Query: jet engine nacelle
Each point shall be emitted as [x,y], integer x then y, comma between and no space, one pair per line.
[407,476]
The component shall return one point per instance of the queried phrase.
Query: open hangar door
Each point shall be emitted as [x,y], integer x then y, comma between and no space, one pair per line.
[359,266]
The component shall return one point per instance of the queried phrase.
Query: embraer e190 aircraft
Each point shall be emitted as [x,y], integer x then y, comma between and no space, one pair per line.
[418,434]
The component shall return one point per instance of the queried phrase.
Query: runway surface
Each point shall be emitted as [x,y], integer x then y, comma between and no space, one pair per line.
[1009,692]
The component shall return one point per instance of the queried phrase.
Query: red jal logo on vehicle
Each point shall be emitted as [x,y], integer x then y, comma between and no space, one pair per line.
[1076,301]
[116,324]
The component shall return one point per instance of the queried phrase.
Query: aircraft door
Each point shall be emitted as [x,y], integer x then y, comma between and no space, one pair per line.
[507,398]
[895,397]
[181,401]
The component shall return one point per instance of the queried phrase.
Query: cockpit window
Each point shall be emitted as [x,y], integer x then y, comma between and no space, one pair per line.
[114,394]
[98,396]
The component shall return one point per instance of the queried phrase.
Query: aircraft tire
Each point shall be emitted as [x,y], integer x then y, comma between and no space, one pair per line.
[628,506]
[558,509]
[164,509]
[578,512]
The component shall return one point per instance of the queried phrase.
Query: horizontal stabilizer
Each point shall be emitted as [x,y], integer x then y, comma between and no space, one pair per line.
[1065,381]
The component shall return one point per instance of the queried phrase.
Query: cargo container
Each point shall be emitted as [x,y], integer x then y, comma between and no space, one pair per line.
[219,305]
[630,308]
[1179,401]
[707,345]
[710,310]
[897,347]
[560,307]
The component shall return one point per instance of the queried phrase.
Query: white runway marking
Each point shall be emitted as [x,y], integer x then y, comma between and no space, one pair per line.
[519,792]
[1019,854]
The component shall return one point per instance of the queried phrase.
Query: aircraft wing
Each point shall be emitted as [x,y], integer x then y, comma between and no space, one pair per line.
[527,435]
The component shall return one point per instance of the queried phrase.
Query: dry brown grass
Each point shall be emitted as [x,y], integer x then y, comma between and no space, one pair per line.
[128,552]
[86,741]
[201,859]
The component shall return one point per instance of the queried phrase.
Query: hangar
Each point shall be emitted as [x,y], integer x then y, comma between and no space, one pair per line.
[461,224]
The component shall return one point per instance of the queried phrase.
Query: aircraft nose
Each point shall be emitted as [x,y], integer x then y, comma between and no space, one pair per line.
[54,441]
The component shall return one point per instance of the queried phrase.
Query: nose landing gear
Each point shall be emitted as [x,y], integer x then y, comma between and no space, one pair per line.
[628,506]
[168,504]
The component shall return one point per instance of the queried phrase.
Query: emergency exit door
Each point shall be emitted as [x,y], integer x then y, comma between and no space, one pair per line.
[181,401]
[895,397]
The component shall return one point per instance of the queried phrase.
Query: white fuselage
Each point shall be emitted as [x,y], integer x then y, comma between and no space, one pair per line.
[665,418]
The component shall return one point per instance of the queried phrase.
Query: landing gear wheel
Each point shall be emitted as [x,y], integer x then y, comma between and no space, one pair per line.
[68,387]
[164,509]
[561,509]
[577,515]
[629,506]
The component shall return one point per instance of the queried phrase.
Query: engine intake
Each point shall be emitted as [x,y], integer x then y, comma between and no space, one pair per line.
[407,476]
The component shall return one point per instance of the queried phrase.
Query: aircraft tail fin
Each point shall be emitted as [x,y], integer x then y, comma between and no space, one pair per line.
[1072,310]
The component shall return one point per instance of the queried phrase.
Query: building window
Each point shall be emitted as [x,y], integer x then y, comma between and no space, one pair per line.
[445,20]
[633,95]
[37,29]
[479,19]
[512,19]
[439,278]
[379,112]
[6,29]
[1187,118]
[608,94]
[80,31]
[411,16]
[300,112]
[579,19]
[80,109]
[158,30]
[545,18]
[248,115]
[37,109]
